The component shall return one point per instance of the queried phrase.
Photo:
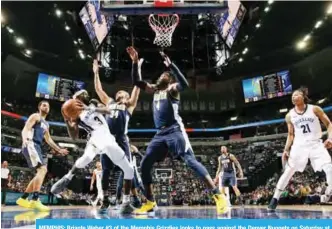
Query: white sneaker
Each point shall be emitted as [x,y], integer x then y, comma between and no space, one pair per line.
[325,198]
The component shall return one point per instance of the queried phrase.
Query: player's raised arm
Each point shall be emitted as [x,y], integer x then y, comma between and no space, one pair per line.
[290,139]
[53,145]
[32,120]
[237,164]
[326,121]
[133,99]
[105,99]
[136,74]
[182,83]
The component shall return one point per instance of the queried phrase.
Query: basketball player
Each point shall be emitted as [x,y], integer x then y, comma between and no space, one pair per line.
[171,135]
[96,176]
[101,141]
[35,130]
[304,143]
[118,114]
[227,173]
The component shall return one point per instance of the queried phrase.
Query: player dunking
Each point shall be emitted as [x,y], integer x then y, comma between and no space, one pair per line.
[33,133]
[101,141]
[226,173]
[171,135]
[304,143]
[96,176]
[118,113]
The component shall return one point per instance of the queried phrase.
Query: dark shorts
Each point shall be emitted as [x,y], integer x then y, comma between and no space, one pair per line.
[229,179]
[123,142]
[34,156]
[170,140]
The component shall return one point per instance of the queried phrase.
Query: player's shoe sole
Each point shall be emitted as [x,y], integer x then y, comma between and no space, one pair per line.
[23,203]
[60,185]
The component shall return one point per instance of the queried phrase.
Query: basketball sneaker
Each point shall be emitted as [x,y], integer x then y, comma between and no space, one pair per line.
[37,205]
[25,203]
[273,205]
[146,208]
[104,207]
[221,203]
[60,185]
[126,208]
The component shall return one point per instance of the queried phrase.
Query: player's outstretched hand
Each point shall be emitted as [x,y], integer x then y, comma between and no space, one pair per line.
[328,143]
[95,67]
[63,152]
[167,61]
[133,54]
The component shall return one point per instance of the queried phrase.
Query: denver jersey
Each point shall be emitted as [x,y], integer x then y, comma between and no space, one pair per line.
[38,131]
[306,126]
[118,119]
[165,110]
[227,163]
[92,121]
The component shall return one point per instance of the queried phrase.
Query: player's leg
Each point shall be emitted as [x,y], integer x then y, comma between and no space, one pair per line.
[35,159]
[156,151]
[321,161]
[178,142]
[90,153]
[119,188]
[228,197]
[119,158]
[297,162]
[107,166]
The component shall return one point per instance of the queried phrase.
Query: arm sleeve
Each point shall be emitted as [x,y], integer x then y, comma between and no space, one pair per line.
[182,82]
[136,75]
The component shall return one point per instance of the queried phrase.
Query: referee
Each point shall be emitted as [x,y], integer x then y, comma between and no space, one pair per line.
[5,181]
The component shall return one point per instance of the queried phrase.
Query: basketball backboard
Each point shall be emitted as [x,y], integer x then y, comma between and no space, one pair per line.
[146,7]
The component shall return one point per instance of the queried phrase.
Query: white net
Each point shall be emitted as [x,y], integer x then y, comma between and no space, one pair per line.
[163,26]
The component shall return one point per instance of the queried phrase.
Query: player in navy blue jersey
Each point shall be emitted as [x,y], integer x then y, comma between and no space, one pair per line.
[226,173]
[118,113]
[171,136]
[36,129]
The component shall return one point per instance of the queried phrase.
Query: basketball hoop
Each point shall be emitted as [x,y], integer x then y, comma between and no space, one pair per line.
[163,25]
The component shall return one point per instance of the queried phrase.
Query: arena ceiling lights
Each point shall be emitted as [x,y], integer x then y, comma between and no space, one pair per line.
[257,26]
[303,43]
[77,42]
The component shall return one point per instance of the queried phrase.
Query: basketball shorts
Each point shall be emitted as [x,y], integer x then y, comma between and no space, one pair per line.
[33,155]
[171,140]
[123,142]
[314,151]
[228,179]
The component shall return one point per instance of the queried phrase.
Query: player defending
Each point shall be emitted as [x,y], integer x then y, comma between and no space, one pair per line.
[96,176]
[171,135]
[101,141]
[304,143]
[227,174]
[35,130]
[118,113]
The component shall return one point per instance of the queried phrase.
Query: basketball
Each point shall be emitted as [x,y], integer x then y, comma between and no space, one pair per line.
[72,108]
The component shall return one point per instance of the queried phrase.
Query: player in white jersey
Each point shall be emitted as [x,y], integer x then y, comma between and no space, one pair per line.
[96,176]
[101,141]
[304,143]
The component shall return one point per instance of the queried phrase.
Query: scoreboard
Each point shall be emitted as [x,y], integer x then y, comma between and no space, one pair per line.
[57,88]
[267,87]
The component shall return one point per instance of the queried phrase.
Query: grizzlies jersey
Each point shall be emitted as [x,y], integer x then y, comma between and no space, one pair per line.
[38,131]
[92,121]
[227,163]
[118,119]
[165,110]
[306,126]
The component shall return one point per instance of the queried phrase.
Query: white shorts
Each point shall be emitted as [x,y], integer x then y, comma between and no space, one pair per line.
[100,192]
[313,151]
